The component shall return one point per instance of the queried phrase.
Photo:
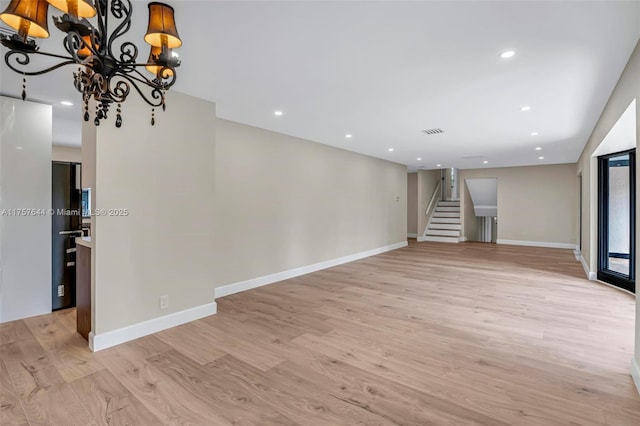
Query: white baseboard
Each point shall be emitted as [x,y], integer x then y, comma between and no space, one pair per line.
[538,244]
[97,342]
[229,289]
[577,254]
[420,239]
[592,276]
[412,235]
[635,373]
[462,239]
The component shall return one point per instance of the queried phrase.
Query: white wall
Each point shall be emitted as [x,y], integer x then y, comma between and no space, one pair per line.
[412,203]
[470,223]
[66,153]
[214,203]
[427,182]
[164,176]
[284,203]
[625,93]
[25,183]
[536,204]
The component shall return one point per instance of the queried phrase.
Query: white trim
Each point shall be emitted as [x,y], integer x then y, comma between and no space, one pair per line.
[577,254]
[538,244]
[421,239]
[229,289]
[412,235]
[462,239]
[635,373]
[97,342]
[592,276]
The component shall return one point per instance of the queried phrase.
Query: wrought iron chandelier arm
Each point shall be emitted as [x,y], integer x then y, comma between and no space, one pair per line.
[156,91]
[103,24]
[73,42]
[155,83]
[121,9]
[101,75]
[128,55]
[23,59]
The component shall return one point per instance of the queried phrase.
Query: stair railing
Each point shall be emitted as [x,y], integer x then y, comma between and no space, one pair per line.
[431,207]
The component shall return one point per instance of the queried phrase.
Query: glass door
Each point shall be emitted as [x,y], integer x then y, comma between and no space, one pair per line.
[616,233]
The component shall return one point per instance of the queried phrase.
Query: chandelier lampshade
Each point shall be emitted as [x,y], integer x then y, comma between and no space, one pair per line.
[27,17]
[76,8]
[162,29]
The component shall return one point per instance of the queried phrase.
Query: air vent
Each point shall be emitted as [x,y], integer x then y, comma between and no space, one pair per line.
[432,131]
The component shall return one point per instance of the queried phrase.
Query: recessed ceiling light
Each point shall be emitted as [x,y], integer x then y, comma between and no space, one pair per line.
[541,158]
[538,148]
[485,162]
[419,159]
[19,148]
[508,54]
[525,108]
[348,136]
[438,165]
[390,150]
[534,133]
[278,113]
[66,103]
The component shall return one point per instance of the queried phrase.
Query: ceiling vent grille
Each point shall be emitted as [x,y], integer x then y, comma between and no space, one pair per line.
[432,131]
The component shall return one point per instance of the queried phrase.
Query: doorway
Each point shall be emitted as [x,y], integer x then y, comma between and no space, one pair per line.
[65,226]
[616,227]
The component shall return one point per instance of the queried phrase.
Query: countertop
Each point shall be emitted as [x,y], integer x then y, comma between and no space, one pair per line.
[84,241]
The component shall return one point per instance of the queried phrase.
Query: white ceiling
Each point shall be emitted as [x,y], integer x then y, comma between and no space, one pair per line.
[384,71]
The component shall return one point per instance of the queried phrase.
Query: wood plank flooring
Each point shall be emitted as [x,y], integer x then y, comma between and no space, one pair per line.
[433,334]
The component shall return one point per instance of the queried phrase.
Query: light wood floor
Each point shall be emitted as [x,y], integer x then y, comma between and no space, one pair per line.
[431,334]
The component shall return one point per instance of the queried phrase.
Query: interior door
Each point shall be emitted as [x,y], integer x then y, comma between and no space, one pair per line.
[65,226]
[616,224]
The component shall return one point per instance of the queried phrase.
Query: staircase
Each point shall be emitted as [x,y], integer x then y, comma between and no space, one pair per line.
[445,224]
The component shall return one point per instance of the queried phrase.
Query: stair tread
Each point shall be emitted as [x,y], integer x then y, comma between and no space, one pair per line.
[446,214]
[449,226]
[443,232]
[440,239]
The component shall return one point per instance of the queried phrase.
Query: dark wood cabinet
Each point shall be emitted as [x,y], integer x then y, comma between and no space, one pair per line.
[83,290]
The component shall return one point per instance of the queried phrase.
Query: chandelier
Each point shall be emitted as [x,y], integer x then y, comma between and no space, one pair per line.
[108,69]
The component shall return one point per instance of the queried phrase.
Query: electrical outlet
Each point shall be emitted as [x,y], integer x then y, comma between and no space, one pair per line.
[164,301]
[60,291]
